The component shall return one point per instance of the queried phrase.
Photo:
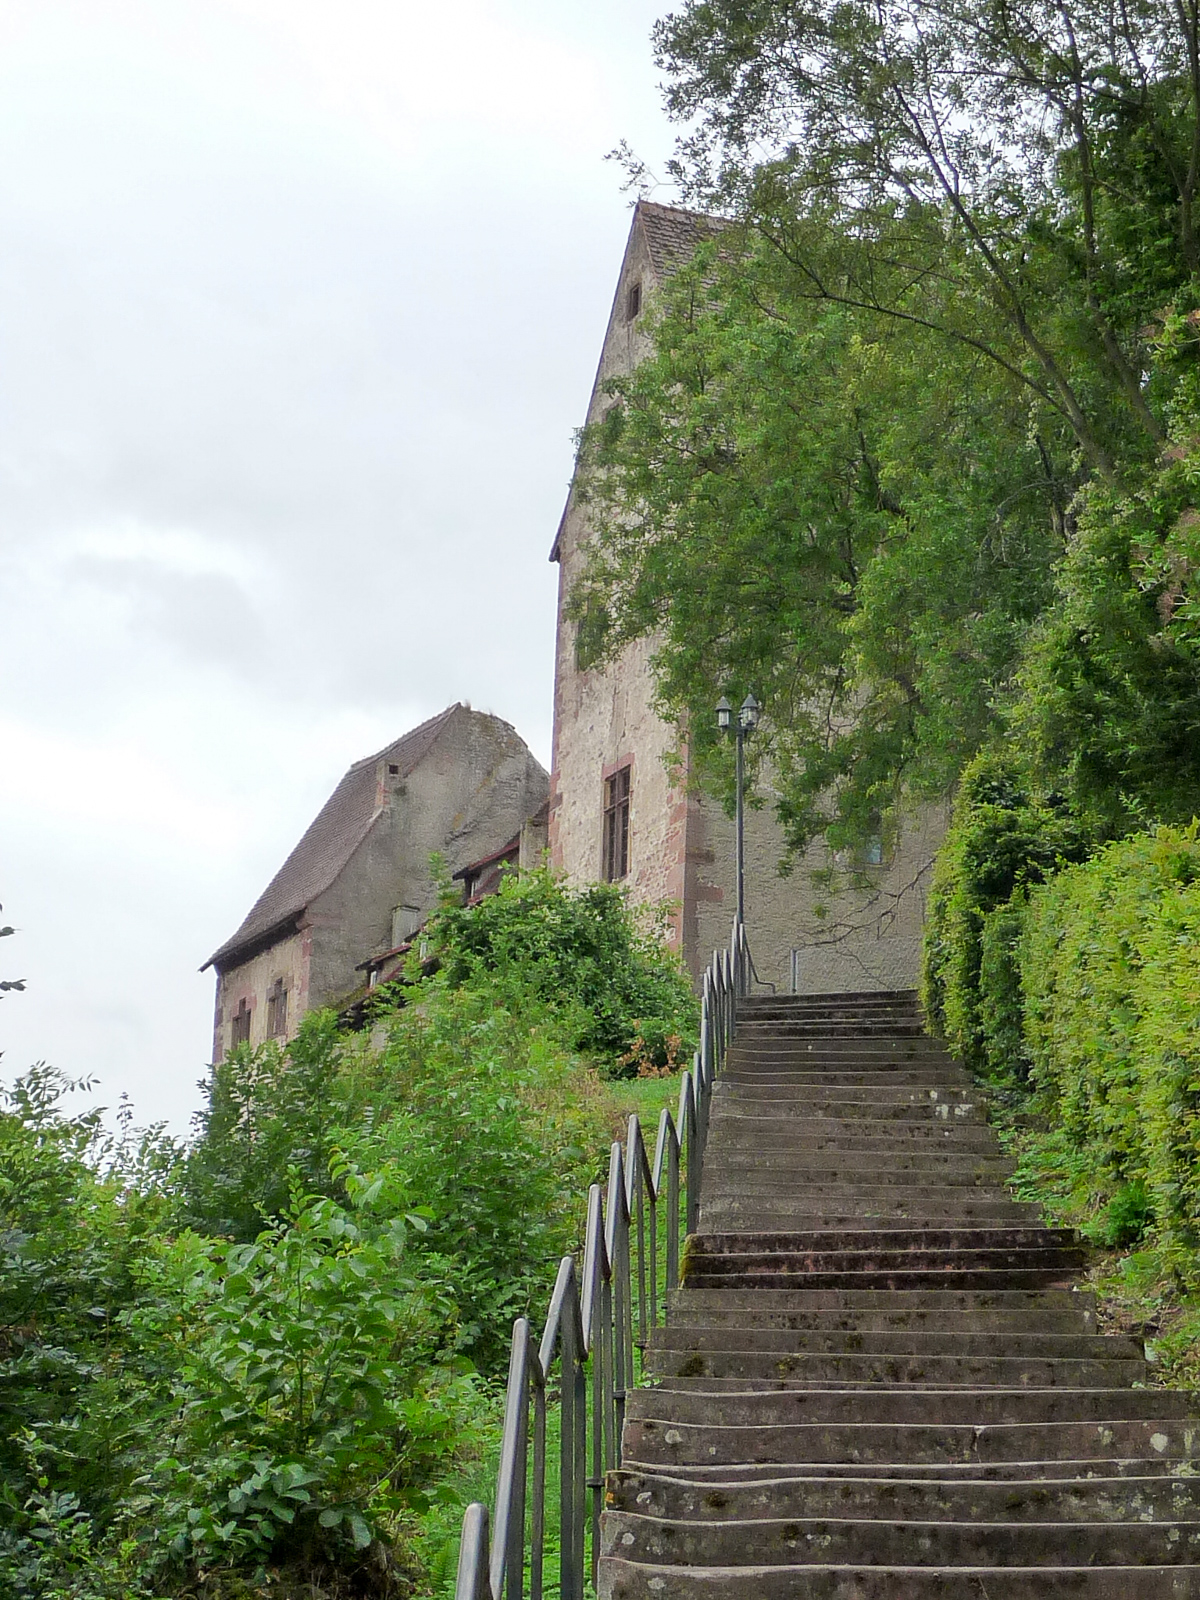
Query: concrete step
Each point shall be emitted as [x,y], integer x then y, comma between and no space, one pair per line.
[670,1444]
[839,1241]
[871,1165]
[772,1100]
[773,1406]
[757,1212]
[1157,1498]
[1060,1470]
[856,1134]
[829,1541]
[801,1081]
[771,1297]
[693,1337]
[963,1371]
[692,1309]
[781,1264]
[867,1108]
[761,1004]
[1024,1277]
[621,1579]
[897,1024]
[901,1238]
[735,1139]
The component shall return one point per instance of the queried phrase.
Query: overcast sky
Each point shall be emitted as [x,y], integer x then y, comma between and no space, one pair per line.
[300,302]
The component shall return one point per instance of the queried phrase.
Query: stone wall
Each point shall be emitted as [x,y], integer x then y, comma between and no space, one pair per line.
[855,925]
[861,932]
[467,797]
[603,718]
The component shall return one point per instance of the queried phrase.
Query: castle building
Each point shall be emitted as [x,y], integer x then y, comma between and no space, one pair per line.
[359,883]
[622,806]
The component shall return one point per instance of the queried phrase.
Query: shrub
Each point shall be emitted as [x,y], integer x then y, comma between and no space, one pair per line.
[622,996]
[1110,971]
[308,1403]
[1003,838]
[268,1112]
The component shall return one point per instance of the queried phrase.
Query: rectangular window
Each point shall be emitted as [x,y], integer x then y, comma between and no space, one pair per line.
[277,1009]
[615,862]
[239,1026]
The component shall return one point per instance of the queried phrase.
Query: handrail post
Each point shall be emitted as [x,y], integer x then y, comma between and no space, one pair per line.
[537,1511]
[593,1321]
[472,1582]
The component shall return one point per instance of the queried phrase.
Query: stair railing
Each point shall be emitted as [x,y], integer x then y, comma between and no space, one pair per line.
[599,1315]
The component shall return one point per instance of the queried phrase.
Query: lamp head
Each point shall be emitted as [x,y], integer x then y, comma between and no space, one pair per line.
[748,715]
[724,714]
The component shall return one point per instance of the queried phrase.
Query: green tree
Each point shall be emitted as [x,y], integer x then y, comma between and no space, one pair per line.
[858,520]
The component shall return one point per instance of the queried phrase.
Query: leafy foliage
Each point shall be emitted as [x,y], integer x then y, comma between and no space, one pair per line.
[1111,975]
[915,452]
[1003,839]
[621,996]
[861,525]
[261,1360]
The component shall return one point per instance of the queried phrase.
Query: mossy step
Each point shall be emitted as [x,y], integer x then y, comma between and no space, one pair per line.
[1157,1498]
[632,1580]
[891,1542]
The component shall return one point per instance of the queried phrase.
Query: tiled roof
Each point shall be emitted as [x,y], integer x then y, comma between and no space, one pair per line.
[332,838]
[673,234]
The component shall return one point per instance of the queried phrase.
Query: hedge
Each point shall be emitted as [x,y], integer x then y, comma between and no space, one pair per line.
[1109,959]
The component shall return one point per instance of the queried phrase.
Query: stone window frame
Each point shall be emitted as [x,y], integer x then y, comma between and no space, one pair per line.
[633,301]
[277,1009]
[615,825]
[239,1024]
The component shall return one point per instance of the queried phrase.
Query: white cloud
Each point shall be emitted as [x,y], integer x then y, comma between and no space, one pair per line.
[301,303]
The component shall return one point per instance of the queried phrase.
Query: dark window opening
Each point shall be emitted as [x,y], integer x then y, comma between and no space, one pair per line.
[633,302]
[239,1026]
[616,825]
[277,999]
[393,770]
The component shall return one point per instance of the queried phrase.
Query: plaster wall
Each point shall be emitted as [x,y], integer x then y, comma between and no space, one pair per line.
[855,926]
[250,980]
[467,797]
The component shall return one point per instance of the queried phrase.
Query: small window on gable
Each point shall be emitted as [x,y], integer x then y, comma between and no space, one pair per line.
[393,770]
[239,1024]
[277,999]
[615,847]
[633,301]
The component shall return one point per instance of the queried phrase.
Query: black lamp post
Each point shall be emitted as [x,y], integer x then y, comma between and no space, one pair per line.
[747,721]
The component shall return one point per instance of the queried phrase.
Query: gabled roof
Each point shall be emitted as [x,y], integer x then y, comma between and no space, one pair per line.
[338,829]
[672,234]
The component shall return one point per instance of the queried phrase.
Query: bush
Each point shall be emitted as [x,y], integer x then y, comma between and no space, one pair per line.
[249,1367]
[1002,839]
[623,998]
[270,1114]
[287,1387]
[1110,972]
[309,1403]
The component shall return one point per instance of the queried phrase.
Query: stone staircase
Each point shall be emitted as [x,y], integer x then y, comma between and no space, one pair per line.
[879,1380]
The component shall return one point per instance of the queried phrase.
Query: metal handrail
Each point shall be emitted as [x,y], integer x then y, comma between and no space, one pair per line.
[598,1315]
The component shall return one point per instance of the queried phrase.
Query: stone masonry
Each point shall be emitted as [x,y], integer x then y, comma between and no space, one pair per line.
[862,934]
